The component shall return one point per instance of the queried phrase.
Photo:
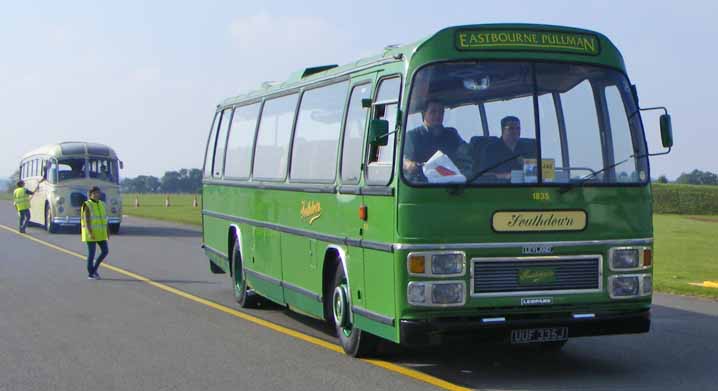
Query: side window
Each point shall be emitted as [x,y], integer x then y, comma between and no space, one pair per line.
[52,171]
[209,151]
[275,128]
[33,169]
[241,141]
[221,143]
[354,135]
[316,137]
[623,146]
[386,107]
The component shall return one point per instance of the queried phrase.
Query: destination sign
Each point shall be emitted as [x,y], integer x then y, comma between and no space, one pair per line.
[539,221]
[534,40]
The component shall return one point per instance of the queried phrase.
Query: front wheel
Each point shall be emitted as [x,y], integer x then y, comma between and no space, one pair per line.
[49,225]
[354,341]
[114,228]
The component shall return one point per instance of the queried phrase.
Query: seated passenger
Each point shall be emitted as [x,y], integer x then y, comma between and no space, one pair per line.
[506,147]
[423,142]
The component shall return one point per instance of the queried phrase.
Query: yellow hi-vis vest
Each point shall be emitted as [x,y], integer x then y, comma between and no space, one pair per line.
[21,199]
[98,220]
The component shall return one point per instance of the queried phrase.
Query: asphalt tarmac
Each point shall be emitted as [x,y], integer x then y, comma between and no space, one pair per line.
[60,331]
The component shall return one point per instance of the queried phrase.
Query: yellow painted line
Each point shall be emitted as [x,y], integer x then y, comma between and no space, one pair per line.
[416,375]
[705,284]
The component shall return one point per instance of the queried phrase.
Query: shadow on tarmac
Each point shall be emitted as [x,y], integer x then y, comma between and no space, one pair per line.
[135,230]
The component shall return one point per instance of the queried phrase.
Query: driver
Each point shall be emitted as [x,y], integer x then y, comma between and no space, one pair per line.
[422,142]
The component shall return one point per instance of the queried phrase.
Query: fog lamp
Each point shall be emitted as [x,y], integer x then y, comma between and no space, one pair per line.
[417,293]
[647,286]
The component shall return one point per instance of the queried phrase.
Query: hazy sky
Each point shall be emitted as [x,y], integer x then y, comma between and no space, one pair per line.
[145,76]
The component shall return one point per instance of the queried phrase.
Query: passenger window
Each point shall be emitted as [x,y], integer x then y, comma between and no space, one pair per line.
[209,155]
[316,137]
[381,159]
[221,143]
[275,128]
[354,135]
[241,141]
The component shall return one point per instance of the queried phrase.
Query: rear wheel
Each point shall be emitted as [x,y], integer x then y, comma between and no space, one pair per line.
[354,341]
[239,280]
[49,225]
[115,228]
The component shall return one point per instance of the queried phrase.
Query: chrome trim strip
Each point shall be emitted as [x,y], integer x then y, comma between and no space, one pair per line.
[301,232]
[214,251]
[263,277]
[520,245]
[531,293]
[76,220]
[373,316]
[284,284]
[302,291]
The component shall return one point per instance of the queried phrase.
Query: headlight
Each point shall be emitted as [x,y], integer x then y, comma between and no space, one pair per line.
[624,258]
[447,293]
[60,200]
[624,286]
[447,263]
[436,294]
[443,264]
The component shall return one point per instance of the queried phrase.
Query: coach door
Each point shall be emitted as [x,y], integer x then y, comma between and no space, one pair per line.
[350,174]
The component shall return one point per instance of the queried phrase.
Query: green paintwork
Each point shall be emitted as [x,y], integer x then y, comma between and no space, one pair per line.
[412,215]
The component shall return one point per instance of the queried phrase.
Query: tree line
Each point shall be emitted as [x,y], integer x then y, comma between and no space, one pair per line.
[695,177]
[181,181]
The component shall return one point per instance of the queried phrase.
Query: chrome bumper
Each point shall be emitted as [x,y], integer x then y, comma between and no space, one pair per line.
[74,220]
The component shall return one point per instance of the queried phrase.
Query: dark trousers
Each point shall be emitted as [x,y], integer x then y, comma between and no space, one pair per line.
[91,265]
[24,219]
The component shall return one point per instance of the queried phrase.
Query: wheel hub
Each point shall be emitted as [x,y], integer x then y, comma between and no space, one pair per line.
[340,304]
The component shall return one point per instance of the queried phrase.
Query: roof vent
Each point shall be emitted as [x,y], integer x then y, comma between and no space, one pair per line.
[321,68]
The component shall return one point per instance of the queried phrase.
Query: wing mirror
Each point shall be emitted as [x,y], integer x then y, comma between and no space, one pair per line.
[666,131]
[378,132]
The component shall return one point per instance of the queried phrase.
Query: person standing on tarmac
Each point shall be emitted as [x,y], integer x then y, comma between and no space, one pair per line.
[21,200]
[93,220]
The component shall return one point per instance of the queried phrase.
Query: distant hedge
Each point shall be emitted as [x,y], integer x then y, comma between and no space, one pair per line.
[685,199]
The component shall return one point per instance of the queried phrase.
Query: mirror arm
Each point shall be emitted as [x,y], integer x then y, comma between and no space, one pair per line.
[385,135]
[660,153]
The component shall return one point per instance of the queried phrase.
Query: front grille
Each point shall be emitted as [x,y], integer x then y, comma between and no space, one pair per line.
[500,276]
[76,199]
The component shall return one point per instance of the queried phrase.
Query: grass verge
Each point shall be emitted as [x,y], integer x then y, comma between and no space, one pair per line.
[684,253]
[153,206]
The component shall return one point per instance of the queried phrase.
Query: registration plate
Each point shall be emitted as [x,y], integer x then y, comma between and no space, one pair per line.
[546,334]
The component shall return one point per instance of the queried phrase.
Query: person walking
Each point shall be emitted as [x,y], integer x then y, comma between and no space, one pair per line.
[93,220]
[21,200]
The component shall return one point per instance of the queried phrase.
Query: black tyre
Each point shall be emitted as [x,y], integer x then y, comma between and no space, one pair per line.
[241,292]
[354,341]
[49,225]
[114,228]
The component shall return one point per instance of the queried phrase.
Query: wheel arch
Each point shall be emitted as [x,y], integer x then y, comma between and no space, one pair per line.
[334,257]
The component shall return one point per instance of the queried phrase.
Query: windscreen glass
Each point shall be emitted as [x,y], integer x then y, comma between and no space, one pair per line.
[519,123]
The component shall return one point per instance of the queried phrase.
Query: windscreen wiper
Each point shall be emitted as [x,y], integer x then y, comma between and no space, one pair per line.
[570,186]
[460,186]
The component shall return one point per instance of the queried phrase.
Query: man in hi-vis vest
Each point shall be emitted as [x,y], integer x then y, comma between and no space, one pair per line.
[21,200]
[94,231]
